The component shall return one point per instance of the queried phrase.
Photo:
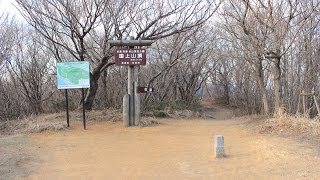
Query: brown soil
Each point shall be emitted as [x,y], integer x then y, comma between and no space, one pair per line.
[15,157]
[175,149]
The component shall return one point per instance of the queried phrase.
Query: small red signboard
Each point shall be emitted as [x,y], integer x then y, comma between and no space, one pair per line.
[130,57]
[145,90]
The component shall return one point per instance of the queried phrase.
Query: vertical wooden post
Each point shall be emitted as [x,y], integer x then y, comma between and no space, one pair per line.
[298,108]
[137,110]
[317,105]
[304,104]
[131,94]
[134,98]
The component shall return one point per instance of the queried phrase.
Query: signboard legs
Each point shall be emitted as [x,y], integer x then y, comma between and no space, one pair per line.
[83,110]
[73,75]
[131,101]
[67,107]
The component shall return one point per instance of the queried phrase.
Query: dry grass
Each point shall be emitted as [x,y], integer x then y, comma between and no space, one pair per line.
[97,116]
[184,114]
[33,123]
[283,123]
[55,121]
[148,121]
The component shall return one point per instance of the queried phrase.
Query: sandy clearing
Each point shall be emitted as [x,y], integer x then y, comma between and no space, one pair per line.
[176,149]
[14,157]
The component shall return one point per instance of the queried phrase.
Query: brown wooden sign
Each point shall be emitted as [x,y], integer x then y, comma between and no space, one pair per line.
[145,90]
[130,57]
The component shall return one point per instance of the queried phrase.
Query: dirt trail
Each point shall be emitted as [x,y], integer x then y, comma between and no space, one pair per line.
[175,149]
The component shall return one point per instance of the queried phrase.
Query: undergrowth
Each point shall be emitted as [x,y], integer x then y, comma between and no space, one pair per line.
[283,123]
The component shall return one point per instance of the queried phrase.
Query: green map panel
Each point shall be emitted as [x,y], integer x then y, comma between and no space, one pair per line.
[71,75]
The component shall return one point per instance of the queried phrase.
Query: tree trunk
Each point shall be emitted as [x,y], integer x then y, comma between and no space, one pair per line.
[91,94]
[276,81]
[265,101]
[104,89]
[94,79]
[262,88]
[226,93]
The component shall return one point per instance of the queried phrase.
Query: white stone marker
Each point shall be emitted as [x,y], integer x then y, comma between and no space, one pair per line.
[219,146]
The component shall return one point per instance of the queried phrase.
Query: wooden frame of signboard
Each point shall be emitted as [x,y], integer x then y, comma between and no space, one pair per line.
[131,101]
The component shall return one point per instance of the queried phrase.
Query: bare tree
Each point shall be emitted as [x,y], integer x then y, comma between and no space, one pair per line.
[265,30]
[29,68]
[179,67]
[283,21]
[6,30]
[83,28]
[249,37]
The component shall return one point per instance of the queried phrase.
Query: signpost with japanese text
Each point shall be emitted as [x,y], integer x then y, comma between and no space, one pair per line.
[130,57]
[145,90]
[131,54]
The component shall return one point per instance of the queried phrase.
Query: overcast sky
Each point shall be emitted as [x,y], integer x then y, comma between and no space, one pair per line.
[6,6]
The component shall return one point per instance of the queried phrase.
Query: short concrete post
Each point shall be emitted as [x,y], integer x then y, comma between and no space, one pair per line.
[219,146]
[126,110]
[137,110]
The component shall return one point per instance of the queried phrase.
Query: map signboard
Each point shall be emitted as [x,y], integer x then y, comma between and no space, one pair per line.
[71,75]
[130,57]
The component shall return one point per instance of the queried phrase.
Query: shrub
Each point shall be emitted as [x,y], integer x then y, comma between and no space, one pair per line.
[160,114]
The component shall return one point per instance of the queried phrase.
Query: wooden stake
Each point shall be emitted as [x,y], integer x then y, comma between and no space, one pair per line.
[317,106]
[298,109]
[304,104]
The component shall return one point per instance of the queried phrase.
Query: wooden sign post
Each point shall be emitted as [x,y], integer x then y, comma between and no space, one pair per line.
[304,95]
[130,53]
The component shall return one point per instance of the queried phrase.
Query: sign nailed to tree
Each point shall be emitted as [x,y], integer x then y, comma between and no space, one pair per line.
[130,57]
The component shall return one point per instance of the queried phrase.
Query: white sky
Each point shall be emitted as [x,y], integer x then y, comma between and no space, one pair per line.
[6,6]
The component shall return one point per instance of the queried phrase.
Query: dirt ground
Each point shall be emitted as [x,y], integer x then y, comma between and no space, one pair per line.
[174,149]
[14,157]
